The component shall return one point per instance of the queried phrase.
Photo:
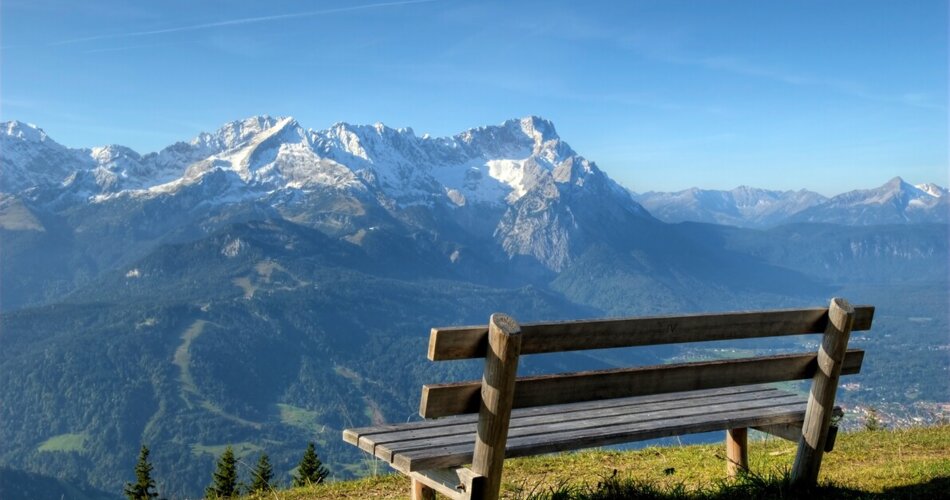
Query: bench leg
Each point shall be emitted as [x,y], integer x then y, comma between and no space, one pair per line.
[421,491]
[821,398]
[497,397]
[737,451]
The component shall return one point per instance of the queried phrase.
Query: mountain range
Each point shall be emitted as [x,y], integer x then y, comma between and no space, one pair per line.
[256,285]
[895,202]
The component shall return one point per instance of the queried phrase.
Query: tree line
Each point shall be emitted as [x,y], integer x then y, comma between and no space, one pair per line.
[224,480]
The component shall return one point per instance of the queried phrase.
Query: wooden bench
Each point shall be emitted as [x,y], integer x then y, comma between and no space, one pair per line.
[483,422]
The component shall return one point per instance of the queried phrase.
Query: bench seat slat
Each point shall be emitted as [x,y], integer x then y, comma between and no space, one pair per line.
[444,442]
[353,436]
[591,437]
[523,425]
[600,421]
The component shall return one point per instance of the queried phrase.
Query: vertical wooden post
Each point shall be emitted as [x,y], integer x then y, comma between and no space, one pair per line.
[737,451]
[421,491]
[821,399]
[498,389]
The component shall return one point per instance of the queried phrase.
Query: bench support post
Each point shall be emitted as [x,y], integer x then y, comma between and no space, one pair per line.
[821,399]
[737,451]
[421,492]
[497,392]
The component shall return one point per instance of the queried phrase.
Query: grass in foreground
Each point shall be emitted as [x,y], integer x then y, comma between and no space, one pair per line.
[912,463]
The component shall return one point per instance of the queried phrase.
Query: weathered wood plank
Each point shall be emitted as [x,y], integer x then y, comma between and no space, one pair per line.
[363,437]
[632,412]
[586,438]
[598,423]
[471,341]
[366,437]
[463,397]
[821,398]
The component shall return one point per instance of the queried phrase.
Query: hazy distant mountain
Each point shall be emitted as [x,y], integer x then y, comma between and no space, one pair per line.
[743,206]
[896,202]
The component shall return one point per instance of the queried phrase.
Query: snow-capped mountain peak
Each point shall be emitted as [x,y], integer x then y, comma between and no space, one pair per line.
[233,134]
[519,173]
[537,128]
[24,131]
[32,159]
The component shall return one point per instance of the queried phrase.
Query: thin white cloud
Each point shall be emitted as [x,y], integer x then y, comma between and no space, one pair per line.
[130,47]
[237,22]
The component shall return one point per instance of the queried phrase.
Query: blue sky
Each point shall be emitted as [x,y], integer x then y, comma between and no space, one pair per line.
[663,95]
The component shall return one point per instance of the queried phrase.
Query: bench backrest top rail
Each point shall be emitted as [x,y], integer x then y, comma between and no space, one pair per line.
[467,342]
[440,400]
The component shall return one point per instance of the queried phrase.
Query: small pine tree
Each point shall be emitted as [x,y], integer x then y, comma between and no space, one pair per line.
[872,422]
[311,470]
[224,479]
[144,484]
[262,475]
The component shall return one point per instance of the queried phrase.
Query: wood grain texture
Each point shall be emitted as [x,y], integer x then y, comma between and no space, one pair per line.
[439,400]
[472,341]
[821,398]
[497,393]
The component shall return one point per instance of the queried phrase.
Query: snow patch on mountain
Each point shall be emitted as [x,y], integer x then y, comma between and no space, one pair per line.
[932,189]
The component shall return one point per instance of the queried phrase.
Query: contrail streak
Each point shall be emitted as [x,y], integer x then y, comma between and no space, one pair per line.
[236,22]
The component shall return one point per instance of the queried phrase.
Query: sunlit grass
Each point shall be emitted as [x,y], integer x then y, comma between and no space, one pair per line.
[882,464]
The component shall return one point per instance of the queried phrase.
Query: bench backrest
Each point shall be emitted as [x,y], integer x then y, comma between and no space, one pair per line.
[439,400]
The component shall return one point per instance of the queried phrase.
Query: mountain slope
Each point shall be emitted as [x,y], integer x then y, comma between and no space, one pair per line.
[260,334]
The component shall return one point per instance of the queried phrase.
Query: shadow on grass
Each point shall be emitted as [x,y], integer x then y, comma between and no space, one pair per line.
[938,487]
[748,486]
